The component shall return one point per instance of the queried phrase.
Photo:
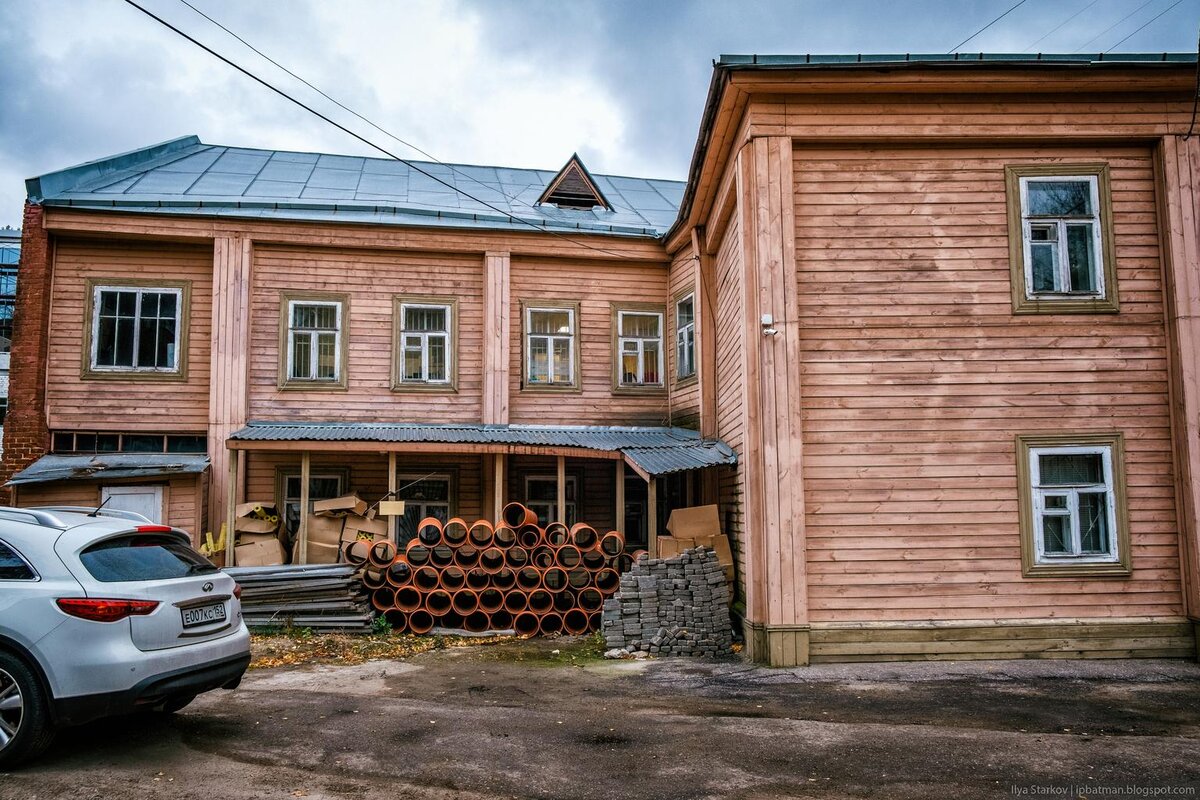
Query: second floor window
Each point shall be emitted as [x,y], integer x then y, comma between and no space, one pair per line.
[550,346]
[639,348]
[425,343]
[136,329]
[685,336]
[314,341]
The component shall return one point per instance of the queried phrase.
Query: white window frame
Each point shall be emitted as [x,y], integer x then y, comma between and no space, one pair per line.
[425,336]
[685,340]
[1061,224]
[139,291]
[1039,494]
[639,345]
[292,333]
[550,339]
[551,506]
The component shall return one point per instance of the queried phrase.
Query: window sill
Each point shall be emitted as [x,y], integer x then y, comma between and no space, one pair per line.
[425,388]
[653,391]
[551,388]
[1078,570]
[1065,304]
[686,381]
[313,386]
[149,376]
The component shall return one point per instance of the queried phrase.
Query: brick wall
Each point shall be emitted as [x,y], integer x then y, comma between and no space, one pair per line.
[26,437]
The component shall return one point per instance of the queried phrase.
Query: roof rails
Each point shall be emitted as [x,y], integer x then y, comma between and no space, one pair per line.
[32,516]
[92,511]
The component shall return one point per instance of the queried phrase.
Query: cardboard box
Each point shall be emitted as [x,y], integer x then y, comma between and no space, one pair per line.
[365,528]
[255,538]
[267,552]
[324,530]
[247,520]
[341,506]
[671,546]
[698,522]
[319,553]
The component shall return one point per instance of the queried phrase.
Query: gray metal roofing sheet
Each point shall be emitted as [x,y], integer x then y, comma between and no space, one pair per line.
[658,451]
[186,176]
[109,465]
[888,59]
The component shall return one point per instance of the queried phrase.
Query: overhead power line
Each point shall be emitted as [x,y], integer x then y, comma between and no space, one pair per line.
[1011,9]
[411,165]
[1111,27]
[1144,24]
[342,106]
[1029,48]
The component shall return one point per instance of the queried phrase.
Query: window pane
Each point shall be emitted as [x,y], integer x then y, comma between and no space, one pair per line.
[424,319]
[685,312]
[1055,536]
[562,360]
[106,342]
[124,352]
[301,356]
[1081,257]
[127,304]
[629,368]
[430,489]
[437,358]
[165,357]
[149,304]
[1060,198]
[550,322]
[539,360]
[541,489]
[147,342]
[143,557]
[141,443]
[650,362]
[639,325]
[12,568]
[108,304]
[187,444]
[1068,470]
[166,304]
[107,442]
[412,363]
[1093,522]
[1045,267]
[326,356]
[1054,501]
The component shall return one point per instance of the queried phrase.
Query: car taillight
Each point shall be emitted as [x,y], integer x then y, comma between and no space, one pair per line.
[105,610]
[154,529]
[237,591]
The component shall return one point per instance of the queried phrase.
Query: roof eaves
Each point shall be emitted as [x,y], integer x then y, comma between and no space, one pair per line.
[54,183]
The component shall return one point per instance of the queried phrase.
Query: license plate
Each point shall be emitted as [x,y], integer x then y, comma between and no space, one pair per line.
[203,615]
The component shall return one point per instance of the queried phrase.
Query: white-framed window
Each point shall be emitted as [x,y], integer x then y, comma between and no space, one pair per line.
[425,343]
[541,497]
[550,346]
[314,340]
[639,348]
[1074,504]
[321,486]
[136,329]
[1062,236]
[685,336]
[424,496]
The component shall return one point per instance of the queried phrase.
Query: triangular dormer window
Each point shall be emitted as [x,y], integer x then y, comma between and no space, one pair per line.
[573,187]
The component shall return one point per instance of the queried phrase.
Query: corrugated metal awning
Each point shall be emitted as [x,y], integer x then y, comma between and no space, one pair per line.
[109,466]
[652,451]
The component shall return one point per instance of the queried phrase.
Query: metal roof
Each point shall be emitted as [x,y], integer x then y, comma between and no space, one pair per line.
[657,451]
[109,466]
[895,59]
[187,177]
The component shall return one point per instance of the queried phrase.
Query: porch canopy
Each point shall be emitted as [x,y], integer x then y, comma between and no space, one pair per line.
[650,452]
[109,466]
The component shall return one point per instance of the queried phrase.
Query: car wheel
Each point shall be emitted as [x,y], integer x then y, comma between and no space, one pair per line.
[25,726]
[173,704]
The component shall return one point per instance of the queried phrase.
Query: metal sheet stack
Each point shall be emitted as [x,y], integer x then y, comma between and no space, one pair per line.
[482,577]
[321,597]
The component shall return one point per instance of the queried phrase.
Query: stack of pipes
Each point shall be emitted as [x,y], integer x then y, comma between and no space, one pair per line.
[483,577]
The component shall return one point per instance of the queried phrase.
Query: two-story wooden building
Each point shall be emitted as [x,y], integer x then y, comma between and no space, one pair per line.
[926,327]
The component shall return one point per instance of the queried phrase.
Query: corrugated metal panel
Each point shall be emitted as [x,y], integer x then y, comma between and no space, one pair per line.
[1008,59]
[188,177]
[109,465]
[658,451]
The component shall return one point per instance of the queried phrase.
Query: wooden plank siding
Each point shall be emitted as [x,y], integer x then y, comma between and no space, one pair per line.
[917,377]
[126,404]
[685,393]
[730,423]
[596,287]
[371,278]
[183,498]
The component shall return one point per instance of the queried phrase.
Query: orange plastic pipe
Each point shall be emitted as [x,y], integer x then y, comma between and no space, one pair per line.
[491,560]
[584,536]
[516,601]
[420,622]
[357,552]
[426,578]
[452,579]
[505,579]
[594,560]
[579,578]
[454,532]
[408,599]
[575,621]
[429,532]
[478,579]
[373,578]
[568,556]
[607,581]
[397,619]
[612,544]
[529,578]
[439,601]
[466,556]
[382,554]
[383,598]
[481,533]
[516,557]
[501,620]
[543,557]
[525,624]
[478,622]
[416,554]
[442,555]
[530,536]
[557,534]
[399,573]
[491,600]
[550,624]
[465,602]
[554,579]
[540,601]
[590,600]
[515,515]
[504,537]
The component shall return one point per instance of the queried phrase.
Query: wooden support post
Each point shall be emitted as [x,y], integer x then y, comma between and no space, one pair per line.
[500,491]
[620,493]
[392,486]
[231,495]
[562,489]
[652,518]
[305,479]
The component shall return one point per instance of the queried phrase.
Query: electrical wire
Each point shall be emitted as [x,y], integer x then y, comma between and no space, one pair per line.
[1114,25]
[1130,36]
[411,165]
[1029,48]
[346,108]
[1011,9]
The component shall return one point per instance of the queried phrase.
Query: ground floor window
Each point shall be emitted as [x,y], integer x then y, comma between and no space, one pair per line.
[321,486]
[423,496]
[541,497]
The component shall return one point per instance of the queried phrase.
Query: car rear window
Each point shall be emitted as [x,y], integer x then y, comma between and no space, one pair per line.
[143,557]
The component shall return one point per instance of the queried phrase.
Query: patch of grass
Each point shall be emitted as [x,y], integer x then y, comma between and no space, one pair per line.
[290,648]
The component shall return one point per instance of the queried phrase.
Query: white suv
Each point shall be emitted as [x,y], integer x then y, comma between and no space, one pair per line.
[102,613]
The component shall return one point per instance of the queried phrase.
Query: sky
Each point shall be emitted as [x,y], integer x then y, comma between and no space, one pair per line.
[520,83]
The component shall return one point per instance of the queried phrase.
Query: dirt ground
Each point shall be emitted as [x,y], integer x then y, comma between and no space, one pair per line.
[518,720]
